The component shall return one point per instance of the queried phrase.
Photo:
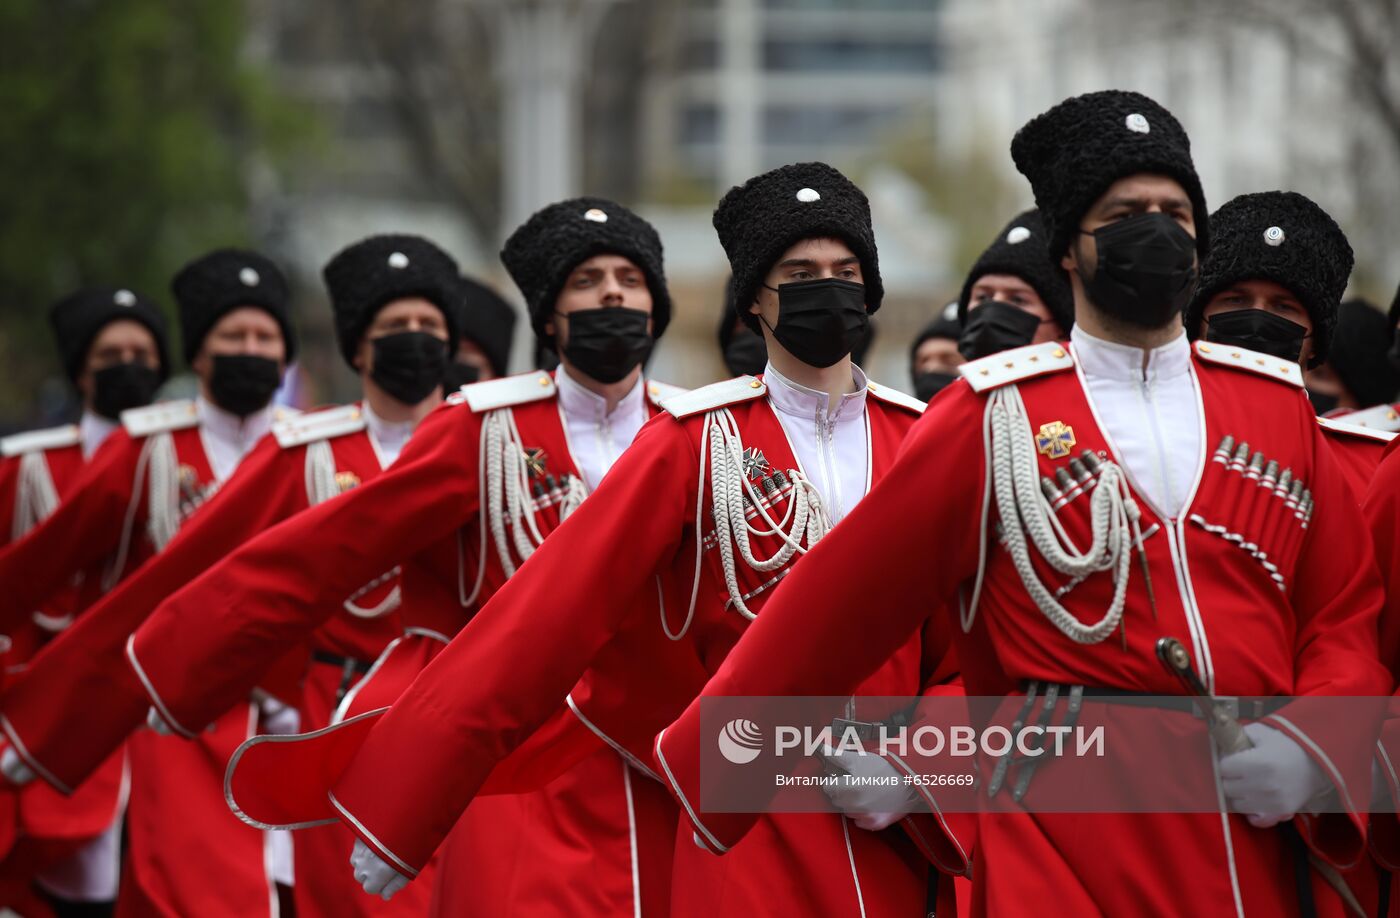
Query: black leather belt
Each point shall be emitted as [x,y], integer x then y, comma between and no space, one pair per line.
[349,668]
[1239,708]
[353,664]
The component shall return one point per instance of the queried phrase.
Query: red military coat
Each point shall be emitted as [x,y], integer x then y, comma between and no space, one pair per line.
[84,697]
[1358,450]
[444,511]
[38,470]
[612,590]
[128,503]
[1382,508]
[827,629]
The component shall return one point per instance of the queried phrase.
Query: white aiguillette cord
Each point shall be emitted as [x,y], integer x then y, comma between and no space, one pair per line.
[804,520]
[1013,474]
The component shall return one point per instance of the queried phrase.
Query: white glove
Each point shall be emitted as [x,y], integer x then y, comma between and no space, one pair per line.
[376,877]
[14,769]
[1273,781]
[157,723]
[880,801]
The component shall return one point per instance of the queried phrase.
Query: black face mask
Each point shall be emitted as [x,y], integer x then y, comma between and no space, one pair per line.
[459,374]
[1146,270]
[993,327]
[1323,403]
[1259,331]
[122,386]
[746,354]
[243,383]
[409,365]
[821,321]
[927,385]
[609,342]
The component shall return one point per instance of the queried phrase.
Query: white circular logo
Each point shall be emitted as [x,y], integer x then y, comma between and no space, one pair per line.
[398,261]
[740,741]
[808,195]
[124,298]
[1137,123]
[249,277]
[950,312]
[1017,235]
[596,215]
[1274,235]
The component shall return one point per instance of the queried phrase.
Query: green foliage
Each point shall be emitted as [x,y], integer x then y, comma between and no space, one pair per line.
[129,127]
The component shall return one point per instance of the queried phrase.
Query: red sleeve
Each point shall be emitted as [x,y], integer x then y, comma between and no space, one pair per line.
[511,667]
[1336,608]
[9,486]
[85,529]
[79,699]
[858,596]
[1382,506]
[275,590]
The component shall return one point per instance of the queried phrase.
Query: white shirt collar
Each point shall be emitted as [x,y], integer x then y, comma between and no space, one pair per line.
[229,428]
[388,437]
[800,401]
[581,404]
[1123,362]
[93,430]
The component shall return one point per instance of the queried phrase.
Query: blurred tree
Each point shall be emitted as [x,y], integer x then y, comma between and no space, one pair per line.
[1357,40]
[443,66]
[130,127]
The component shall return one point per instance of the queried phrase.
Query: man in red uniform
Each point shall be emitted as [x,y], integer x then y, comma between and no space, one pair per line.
[484,482]
[1014,295]
[1272,284]
[396,302]
[128,504]
[1113,177]
[112,343]
[715,503]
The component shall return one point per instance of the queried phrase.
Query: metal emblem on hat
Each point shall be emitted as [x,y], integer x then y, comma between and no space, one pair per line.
[1137,123]
[1017,235]
[249,277]
[755,464]
[398,261]
[1055,440]
[124,298]
[808,195]
[1275,235]
[596,215]
[535,459]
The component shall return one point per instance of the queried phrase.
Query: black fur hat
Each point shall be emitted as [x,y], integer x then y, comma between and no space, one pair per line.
[362,278]
[77,318]
[764,217]
[489,321]
[1278,236]
[215,284]
[1020,250]
[541,253]
[1072,153]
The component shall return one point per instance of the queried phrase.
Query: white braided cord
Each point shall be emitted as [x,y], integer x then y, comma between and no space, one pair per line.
[1025,511]
[36,496]
[801,526]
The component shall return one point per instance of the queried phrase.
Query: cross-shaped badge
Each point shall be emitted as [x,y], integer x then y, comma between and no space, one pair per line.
[1055,439]
[534,461]
[755,464]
